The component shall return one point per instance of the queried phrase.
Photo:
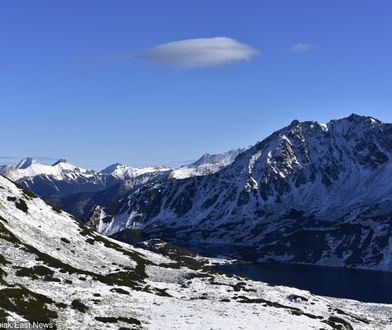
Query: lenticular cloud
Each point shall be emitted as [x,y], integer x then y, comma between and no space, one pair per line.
[203,52]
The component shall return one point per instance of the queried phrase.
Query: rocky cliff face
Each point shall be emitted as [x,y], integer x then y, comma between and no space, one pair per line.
[310,192]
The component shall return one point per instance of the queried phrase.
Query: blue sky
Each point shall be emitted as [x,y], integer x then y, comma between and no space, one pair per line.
[73,84]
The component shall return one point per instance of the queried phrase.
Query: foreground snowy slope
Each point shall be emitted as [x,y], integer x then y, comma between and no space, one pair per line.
[53,268]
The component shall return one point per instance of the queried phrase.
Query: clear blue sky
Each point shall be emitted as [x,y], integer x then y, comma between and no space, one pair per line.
[71,87]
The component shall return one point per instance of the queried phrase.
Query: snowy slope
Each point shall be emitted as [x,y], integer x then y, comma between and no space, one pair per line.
[124,172]
[29,167]
[5,168]
[310,192]
[206,165]
[53,268]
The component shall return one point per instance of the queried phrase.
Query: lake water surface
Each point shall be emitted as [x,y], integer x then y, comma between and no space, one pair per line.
[362,285]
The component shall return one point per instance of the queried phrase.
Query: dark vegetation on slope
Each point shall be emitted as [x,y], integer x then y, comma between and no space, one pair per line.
[28,304]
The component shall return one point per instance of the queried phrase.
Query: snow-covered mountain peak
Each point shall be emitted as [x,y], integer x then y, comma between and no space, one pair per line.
[359,118]
[222,159]
[112,168]
[29,167]
[60,161]
[356,122]
[124,172]
[25,163]
[64,165]
[207,164]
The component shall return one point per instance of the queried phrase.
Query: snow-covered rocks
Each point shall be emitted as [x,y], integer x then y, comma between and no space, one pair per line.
[207,164]
[124,172]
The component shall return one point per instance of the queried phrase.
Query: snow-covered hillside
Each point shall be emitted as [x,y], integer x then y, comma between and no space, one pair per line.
[52,268]
[207,164]
[310,192]
[124,172]
[60,170]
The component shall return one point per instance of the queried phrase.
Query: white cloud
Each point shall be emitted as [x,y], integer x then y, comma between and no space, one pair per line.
[203,52]
[300,47]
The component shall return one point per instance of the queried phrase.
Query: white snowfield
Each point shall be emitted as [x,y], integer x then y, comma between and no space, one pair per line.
[53,268]
[207,164]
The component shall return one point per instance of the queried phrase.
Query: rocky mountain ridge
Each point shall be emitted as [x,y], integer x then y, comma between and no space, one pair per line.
[309,193]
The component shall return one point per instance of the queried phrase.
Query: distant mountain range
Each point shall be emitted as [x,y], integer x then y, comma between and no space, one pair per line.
[78,190]
[309,193]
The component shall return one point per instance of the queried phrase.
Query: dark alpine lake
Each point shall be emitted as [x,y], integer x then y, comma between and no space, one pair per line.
[358,284]
[362,285]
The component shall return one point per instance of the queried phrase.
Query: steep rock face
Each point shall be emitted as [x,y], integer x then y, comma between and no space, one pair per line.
[311,192]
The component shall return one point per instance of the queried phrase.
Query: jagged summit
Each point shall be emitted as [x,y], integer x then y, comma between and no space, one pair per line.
[224,158]
[294,123]
[25,163]
[60,161]
[352,119]
[29,167]
[112,168]
[356,117]
[207,164]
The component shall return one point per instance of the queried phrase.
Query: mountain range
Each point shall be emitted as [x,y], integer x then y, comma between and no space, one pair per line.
[78,190]
[309,193]
[55,269]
